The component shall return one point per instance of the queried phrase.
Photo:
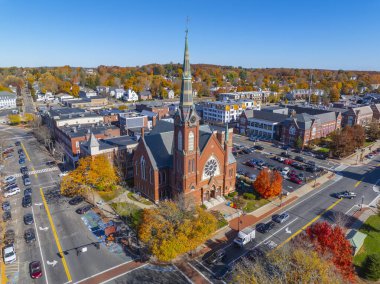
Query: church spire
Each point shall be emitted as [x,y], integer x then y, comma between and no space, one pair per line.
[186,99]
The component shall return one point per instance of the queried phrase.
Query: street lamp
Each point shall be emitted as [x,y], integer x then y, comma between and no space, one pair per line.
[361,205]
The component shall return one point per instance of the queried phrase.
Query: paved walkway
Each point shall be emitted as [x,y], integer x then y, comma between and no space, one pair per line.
[353,160]
[124,198]
[191,273]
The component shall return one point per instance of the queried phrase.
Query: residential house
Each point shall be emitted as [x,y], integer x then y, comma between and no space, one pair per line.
[145,95]
[130,96]
[356,239]
[297,94]
[87,93]
[170,94]
[7,100]
[118,93]
[63,97]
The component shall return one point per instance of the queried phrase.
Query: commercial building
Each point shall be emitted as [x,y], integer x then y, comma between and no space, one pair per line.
[132,121]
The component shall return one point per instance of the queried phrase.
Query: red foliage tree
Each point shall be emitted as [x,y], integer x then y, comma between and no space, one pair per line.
[330,241]
[268,183]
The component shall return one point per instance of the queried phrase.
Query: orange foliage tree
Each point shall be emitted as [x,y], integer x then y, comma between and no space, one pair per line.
[268,183]
[330,241]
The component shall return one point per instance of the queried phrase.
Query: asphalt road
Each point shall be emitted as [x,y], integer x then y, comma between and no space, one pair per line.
[59,230]
[317,205]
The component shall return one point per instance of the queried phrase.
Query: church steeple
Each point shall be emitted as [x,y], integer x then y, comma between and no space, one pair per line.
[186,99]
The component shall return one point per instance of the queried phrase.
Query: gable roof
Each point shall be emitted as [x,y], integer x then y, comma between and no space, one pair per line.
[356,239]
[162,126]
[269,116]
[362,110]
[160,147]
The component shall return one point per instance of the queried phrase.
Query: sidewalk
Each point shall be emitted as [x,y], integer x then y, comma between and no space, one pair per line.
[124,198]
[353,160]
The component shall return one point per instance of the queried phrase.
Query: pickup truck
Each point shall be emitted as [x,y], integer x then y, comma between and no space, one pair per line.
[345,194]
[245,236]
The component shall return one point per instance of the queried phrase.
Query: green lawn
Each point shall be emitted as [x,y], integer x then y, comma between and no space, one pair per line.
[140,199]
[254,204]
[324,150]
[109,195]
[367,143]
[128,210]
[372,243]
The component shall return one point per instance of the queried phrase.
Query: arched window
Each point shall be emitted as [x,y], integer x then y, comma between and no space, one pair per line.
[191,141]
[179,140]
[142,162]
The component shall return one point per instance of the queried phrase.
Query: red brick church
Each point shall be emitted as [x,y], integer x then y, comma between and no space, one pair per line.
[185,157]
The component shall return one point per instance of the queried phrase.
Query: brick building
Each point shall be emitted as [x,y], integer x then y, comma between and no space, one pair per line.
[376,112]
[358,115]
[185,157]
[159,108]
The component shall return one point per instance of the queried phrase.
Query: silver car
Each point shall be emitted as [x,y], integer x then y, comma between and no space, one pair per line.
[282,218]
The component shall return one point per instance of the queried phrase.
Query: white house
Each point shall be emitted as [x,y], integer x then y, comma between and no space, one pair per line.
[87,92]
[48,96]
[130,96]
[63,97]
[118,93]
[7,100]
[170,94]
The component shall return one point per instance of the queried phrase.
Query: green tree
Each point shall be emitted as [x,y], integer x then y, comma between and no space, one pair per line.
[334,95]
[299,143]
[372,267]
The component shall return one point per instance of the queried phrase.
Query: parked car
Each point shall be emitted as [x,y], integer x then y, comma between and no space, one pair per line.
[258,147]
[65,173]
[224,272]
[76,200]
[345,194]
[308,153]
[21,161]
[288,162]
[22,156]
[301,176]
[50,163]
[9,254]
[312,163]
[26,201]
[27,181]
[260,163]
[24,170]
[299,159]
[84,209]
[265,228]
[321,156]
[216,257]
[20,151]
[6,206]
[35,269]
[28,219]
[29,236]
[285,171]
[284,154]
[295,179]
[370,156]
[281,218]
[28,191]
[7,216]
[12,192]
[10,179]
[18,143]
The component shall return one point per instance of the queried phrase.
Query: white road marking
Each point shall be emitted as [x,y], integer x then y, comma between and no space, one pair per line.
[204,276]
[37,204]
[200,263]
[52,263]
[183,274]
[115,277]
[84,279]
[37,171]
[287,230]
[263,241]
[39,246]
[44,229]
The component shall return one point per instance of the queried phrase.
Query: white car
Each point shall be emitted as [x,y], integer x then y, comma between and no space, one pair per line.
[64,174]
[11,192]
[370,156]
[285,171]
[9,254]
[10,179]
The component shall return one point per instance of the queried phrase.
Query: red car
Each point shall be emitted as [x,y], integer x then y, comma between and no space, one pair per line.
[288,162]
[35,269]
[295,179]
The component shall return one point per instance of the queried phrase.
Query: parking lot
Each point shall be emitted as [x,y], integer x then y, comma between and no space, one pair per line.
[250,164]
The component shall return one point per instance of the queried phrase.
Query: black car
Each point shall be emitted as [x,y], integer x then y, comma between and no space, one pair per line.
[7,216]
[29,235]
[258,147]
[24,170]
[20,151]
[6,206]
[299,159]
[84,209]
[76,200]
[224,272]
[18,143]
[284,154]
[26,201]
[216,257]
[321,156]
[265,228]
[28,219]
[50,163]
[28,191]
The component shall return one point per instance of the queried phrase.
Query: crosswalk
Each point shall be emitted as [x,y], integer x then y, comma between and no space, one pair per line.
[40,171]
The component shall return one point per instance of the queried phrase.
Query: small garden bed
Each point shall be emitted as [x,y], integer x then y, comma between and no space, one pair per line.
[110,195]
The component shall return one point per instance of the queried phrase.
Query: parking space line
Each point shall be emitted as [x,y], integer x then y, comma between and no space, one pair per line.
[200,263]
[60,251]
[39,246]
[26,153]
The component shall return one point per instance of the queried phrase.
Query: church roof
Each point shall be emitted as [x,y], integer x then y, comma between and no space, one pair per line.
[160,148]
[93,142]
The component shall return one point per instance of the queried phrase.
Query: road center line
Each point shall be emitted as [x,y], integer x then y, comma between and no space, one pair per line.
[39,246]
[359,182]
[60,251]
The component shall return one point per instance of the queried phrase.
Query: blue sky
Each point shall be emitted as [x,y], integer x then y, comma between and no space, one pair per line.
[332,34]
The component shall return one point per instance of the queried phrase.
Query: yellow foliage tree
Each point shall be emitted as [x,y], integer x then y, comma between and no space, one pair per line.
[28,117]
[92,173]
[14,119]
[169,230]
[75,90]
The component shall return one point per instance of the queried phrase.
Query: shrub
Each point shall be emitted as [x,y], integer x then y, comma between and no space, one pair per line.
[372,267]
[249,196]
[233,194]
